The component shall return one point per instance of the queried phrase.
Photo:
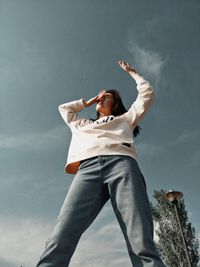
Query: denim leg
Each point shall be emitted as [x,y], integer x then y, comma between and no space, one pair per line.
[131,205]
[84,200]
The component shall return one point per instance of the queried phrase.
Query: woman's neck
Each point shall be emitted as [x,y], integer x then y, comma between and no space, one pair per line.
[101,115]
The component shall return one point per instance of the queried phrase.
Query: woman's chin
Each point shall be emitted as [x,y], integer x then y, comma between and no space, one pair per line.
[99,107]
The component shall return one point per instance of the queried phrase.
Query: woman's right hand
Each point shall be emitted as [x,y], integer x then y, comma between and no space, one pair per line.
[93,100]
[101,93]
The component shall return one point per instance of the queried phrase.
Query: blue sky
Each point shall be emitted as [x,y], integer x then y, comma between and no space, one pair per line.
[57,51]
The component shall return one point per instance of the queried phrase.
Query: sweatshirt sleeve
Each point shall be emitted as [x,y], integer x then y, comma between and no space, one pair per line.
[142,102]
[68,111]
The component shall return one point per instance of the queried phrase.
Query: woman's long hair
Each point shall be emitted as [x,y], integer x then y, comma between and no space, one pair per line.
[118,108]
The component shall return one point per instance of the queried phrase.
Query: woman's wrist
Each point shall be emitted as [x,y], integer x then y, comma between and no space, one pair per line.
[84,102]
[134,75]
[90,101]
[130,69]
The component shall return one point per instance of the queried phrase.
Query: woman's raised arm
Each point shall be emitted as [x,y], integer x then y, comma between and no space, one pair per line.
[144,98]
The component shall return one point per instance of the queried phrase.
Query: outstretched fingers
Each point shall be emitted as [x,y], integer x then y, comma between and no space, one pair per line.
[126,66]
[101,93]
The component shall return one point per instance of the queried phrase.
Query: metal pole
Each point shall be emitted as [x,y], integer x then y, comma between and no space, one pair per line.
[175,202]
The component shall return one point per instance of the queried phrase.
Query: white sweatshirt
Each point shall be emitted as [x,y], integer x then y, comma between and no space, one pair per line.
[108,135]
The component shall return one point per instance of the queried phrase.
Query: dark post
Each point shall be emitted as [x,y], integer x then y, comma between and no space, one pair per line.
[173,197]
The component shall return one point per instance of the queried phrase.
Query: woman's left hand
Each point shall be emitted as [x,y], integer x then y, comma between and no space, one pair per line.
[125,66]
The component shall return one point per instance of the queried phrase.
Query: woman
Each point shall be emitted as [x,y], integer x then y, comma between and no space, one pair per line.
[102,155]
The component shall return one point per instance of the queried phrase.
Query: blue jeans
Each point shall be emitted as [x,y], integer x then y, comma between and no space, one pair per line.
[98,179]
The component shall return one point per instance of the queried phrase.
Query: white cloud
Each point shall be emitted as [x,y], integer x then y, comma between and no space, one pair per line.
[187,136]
[150,62]
[31,62]
[195,159]
[35,140]
[22,239]
[148,149]
[102,244]
[102,247]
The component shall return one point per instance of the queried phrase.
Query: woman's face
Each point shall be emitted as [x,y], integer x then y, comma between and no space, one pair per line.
[104,104]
